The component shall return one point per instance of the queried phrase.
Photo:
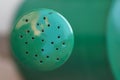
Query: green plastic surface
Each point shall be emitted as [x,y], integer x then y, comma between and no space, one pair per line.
[89,59]
[42,39]
[113,36]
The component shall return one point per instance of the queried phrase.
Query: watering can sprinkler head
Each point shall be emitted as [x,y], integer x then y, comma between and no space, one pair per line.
[42,40]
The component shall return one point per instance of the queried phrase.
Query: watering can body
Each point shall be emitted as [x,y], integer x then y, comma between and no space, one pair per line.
[113,38]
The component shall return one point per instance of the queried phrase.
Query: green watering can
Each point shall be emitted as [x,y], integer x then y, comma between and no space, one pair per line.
[66,39]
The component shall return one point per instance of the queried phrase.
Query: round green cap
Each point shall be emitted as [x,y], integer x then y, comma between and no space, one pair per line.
[42,39]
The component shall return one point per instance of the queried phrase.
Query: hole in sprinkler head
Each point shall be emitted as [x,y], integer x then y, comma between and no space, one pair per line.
[58,59]
[58,37]
[36,55]
[26,20]
[38,24]
[44,18]
[42,40]
[48,25]
[26,52]
[47,56]
[63,43]
[26,42]
[57,48]
[28,31]
[52,42]
[42,50]
[41,61]
[42,30]
[58,27]
[33,38]
[21,36]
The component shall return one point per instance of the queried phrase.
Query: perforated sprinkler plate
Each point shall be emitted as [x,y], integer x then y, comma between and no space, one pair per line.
[42,40]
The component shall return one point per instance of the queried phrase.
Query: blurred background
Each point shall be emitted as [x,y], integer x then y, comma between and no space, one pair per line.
[8,70]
